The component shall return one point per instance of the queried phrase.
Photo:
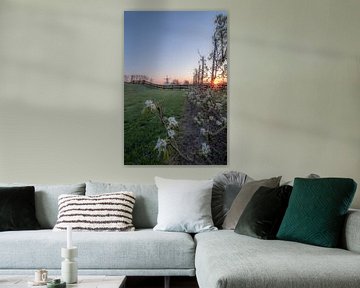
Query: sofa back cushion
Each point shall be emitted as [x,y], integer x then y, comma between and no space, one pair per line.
[350,237]
[146,204]
[46,200]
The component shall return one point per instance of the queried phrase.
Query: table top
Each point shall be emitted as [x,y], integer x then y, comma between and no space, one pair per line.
[84,281]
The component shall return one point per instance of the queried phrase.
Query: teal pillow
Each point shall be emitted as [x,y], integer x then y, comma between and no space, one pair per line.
[316,211]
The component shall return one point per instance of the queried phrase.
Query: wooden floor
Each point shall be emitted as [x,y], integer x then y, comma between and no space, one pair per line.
[158,282]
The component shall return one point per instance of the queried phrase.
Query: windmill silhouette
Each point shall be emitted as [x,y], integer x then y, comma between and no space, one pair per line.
[167,80]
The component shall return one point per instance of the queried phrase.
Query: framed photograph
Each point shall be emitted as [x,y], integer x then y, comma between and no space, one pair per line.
[175,87]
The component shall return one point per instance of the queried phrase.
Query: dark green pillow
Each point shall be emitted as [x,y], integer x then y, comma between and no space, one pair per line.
[17,208]
[264,212]
[316,211]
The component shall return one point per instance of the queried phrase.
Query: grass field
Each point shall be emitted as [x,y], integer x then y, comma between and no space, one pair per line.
[142,130]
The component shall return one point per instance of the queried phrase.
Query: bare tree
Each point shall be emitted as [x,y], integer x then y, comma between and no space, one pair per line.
[195,76]
[202,69]
[218,56]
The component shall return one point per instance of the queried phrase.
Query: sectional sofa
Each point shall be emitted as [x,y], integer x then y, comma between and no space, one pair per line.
[219,259]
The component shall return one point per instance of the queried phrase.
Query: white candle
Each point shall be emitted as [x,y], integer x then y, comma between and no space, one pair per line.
[69,237]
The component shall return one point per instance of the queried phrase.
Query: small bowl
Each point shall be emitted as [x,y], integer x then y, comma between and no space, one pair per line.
[56,283]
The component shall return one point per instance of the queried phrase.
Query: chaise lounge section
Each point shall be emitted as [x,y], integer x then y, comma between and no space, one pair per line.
[225,259]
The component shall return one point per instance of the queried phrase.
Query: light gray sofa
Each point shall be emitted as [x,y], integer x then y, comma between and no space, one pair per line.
[226,259]
[142,252]
[219,259]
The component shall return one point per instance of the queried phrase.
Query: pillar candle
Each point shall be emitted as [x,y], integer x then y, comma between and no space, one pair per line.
[69,237]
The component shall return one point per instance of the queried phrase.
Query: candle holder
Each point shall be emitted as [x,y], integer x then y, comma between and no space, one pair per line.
[69,271]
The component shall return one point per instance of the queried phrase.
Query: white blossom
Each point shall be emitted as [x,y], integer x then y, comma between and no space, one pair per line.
[211,118]
[150,105]
[171,133]
[161,145]
[205,149]
[218,123]
[203,131]
[172,122]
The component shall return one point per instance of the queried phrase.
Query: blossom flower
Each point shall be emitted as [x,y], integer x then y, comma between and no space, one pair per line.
[150,105]
[203,131]
[171,133]
[172,122]
[218,123]
[205,149]
[211,118]
[161,145]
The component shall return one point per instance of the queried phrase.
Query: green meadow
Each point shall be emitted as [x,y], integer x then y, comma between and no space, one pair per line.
[142,130]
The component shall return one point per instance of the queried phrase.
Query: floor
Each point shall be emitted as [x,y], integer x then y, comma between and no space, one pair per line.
[158,282]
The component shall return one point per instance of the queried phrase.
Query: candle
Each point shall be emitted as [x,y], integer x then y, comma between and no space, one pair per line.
[69,237]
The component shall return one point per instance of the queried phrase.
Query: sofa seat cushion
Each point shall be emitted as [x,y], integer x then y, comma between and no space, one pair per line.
[226,259]
[142,249]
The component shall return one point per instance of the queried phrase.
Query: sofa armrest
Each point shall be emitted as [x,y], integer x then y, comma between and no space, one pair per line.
[351,234]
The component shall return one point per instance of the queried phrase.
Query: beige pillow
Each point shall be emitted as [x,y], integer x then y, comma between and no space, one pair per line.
[243,198]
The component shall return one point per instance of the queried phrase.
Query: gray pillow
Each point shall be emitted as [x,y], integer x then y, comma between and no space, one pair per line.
[46,200]
[184,205]
[146,204]
[310,176]
[243,198]
[226,187]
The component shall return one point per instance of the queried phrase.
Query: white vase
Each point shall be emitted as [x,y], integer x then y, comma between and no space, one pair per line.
[69,270]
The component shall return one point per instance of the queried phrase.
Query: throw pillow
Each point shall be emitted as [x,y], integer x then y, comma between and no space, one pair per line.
[291,182]
[46,200]
[105,212]
[226,187]
[17,209]
[146,205]
[243,198]
[184,205]
[317,209]
[263,215]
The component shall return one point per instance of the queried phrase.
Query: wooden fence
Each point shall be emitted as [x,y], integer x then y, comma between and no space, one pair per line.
[173,86]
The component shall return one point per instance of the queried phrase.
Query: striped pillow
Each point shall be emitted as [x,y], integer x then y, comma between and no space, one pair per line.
[105,212]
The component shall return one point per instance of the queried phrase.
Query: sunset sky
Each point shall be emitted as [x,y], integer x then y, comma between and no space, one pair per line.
[161,43]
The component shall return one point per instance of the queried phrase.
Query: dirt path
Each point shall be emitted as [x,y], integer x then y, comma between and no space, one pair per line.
[189,138]
[190,141]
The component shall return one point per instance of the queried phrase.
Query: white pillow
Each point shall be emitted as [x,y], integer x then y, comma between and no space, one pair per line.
[184,205]
[104,212]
